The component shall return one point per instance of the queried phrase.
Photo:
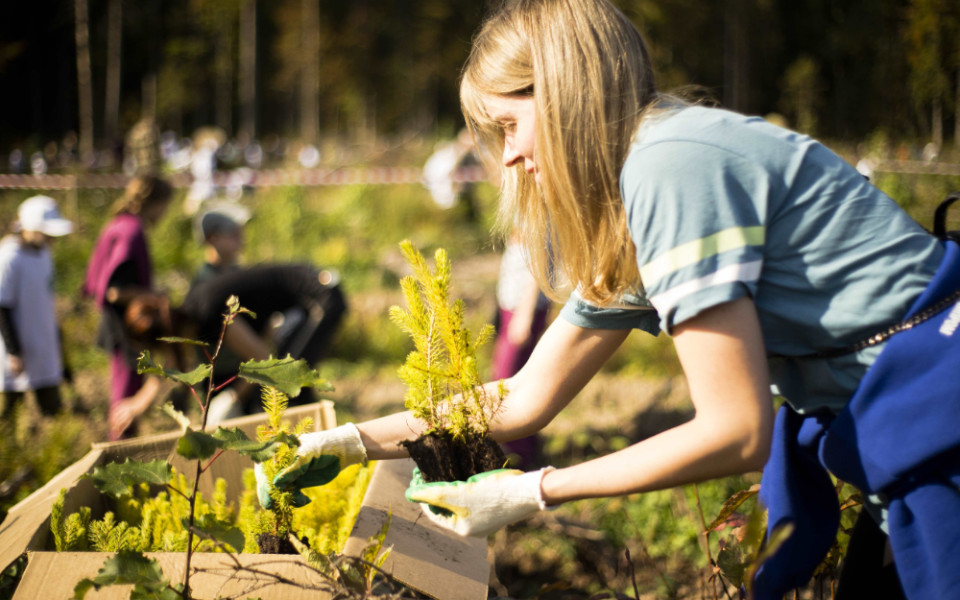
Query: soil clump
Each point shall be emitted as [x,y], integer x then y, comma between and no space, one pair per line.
[441,457]
[272,544]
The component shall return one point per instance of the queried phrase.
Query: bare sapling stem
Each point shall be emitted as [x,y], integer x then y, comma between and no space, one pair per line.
[200,468]
[192,500]
[633,574]
[706,542]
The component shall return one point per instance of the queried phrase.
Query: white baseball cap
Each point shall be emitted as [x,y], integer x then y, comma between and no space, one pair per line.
[40,213]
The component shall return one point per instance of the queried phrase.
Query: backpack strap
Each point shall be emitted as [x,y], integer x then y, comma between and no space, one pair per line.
[940,219]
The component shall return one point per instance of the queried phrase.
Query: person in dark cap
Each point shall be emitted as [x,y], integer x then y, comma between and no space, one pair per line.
[298,307]
[220,230]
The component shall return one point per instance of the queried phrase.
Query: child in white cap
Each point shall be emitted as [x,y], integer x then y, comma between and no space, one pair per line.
[30,352]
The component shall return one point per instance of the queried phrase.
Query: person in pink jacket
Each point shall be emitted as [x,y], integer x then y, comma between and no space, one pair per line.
[120,270]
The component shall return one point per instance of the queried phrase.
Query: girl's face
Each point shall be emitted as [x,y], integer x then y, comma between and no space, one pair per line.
[34,239]
[229,245]
[152,213]
[518,118]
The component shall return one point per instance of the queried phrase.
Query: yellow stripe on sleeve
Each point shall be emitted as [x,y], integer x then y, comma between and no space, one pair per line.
[696,250]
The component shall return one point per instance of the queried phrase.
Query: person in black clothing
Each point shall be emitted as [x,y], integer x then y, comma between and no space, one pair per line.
[298,308]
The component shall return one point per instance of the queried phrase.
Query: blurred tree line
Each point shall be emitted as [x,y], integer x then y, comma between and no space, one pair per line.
[362,69]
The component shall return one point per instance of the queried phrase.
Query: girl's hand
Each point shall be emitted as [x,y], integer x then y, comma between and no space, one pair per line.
[122,415]
[320,457]
[15,363]
[483,503]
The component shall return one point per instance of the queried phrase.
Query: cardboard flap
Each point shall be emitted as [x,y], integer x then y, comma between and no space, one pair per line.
[424,556]
[27,525]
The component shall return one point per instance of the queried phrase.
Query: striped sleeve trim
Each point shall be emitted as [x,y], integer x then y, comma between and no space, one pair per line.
[747,272]
[622,305]
[697,250]
[618,304]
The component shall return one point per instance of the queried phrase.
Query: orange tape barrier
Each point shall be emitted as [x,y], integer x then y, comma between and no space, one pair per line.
[246,177]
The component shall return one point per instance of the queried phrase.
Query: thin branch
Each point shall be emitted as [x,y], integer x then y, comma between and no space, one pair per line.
[225,383]
[177,490]
[706,539]
[633,574]
[210,462]
[643,550]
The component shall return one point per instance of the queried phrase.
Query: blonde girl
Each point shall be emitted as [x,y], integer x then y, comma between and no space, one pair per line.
[765,256]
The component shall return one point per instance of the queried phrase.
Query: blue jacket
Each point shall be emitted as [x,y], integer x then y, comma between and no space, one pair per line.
[899,438]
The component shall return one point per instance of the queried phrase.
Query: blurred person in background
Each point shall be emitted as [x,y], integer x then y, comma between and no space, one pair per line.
[521,319]
[143,152]
[31,354]
[120,270]
[442,179]
[219,229]
[298,310]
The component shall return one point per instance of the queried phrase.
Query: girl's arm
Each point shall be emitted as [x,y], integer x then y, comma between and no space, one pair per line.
[564,360]
[245,342]
[125,412]
[722,355]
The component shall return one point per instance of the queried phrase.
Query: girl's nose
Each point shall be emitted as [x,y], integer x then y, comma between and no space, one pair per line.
[510,154]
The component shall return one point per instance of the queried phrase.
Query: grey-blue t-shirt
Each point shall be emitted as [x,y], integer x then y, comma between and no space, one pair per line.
[721,206]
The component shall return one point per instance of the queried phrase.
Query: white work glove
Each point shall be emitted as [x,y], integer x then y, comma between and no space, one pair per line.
[320,457]
[483,503]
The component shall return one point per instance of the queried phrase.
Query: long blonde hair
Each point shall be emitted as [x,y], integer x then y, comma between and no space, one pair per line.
[589,72]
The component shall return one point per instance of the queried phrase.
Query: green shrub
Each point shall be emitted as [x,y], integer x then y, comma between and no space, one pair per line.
[154,522]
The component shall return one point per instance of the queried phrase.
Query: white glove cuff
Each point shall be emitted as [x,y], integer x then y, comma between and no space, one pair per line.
[343,442]
[536,490]
[348,438]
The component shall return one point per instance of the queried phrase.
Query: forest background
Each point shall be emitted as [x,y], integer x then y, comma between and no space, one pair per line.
[373,83]
[354,72]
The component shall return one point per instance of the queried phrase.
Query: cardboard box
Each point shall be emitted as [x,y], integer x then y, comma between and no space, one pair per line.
[424,557]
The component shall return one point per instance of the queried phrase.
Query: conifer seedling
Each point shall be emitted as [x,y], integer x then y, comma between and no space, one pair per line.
[444,387]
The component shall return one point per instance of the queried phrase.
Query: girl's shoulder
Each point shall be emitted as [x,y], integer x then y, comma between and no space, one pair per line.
[708,125]
[123,226]
[689,144]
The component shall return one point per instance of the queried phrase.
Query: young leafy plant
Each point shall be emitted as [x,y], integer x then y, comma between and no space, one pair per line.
[444,387]
[131,566]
